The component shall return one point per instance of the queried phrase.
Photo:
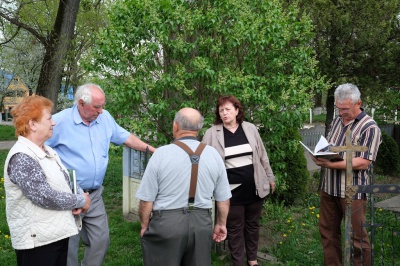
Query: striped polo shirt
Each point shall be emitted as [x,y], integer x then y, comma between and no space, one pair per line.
[365,132]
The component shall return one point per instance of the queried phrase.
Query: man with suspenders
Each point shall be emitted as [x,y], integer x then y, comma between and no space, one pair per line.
[176,193]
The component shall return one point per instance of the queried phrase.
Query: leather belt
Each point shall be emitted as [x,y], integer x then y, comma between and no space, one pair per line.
[180,210]
[90,191]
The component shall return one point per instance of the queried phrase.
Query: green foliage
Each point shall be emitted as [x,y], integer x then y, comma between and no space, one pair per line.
[357,41]
[294,227]
[7,133]
[7,254]
[293,188]
[27,29]
[388,158]
[388,101]
[319,118]
[160,56]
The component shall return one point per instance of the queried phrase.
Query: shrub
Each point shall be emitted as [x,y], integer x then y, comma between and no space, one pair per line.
[388,158]
[297,177]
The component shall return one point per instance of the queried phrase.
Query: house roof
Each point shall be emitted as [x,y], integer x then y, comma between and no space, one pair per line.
[6,79]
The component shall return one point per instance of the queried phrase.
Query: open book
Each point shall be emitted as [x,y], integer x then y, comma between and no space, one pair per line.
[322,149]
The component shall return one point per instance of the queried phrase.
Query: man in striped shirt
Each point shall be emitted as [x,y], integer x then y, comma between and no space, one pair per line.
[365,132]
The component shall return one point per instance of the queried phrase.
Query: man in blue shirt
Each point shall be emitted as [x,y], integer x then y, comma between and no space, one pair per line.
[82,138]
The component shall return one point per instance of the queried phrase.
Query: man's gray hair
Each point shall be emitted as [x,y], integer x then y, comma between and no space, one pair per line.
[347,91]
[185,123]
[84,93]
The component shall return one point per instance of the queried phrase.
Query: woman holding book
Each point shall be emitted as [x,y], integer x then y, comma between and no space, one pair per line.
[40,205]
[249,173]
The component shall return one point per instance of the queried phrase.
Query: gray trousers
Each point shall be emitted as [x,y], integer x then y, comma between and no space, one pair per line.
[178,237]
[95,234]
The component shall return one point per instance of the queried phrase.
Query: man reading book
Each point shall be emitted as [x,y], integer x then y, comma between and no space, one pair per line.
[365,132]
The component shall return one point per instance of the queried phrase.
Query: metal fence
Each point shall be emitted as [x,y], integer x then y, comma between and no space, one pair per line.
[311,136]
[384,238]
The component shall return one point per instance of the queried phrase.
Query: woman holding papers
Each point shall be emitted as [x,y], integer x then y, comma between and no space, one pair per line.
[39,201]
[249,173]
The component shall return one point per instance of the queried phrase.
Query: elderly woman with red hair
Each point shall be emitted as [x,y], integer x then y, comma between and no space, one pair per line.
[40,205]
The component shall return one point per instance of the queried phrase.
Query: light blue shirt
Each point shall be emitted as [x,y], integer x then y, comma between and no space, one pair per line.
[85,148]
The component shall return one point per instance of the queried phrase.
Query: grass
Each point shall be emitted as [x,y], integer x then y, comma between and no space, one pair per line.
[289,234]
[7,255]
[7,133]
[319,118]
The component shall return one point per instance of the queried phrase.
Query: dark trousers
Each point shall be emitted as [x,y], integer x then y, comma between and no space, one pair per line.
[243,226]
[332,212]
[53,254]
[178,238]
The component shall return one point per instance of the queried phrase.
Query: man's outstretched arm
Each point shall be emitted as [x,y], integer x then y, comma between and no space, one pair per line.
[137,144]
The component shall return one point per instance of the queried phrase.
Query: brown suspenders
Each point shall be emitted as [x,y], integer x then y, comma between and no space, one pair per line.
[194,158]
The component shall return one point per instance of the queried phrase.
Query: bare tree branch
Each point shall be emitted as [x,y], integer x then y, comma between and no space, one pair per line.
[97,4]
[11,38]
[16,22]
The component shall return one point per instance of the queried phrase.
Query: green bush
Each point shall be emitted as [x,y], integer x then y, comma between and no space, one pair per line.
[388,158]
[297,177]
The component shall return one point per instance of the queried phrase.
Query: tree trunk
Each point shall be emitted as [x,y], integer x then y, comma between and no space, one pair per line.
[318,100]
[57,49]
[330,103]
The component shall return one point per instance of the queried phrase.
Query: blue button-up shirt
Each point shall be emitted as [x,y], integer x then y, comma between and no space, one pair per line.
[85,148]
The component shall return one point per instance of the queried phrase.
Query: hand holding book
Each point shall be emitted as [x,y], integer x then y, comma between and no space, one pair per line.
[322,149]
[74,188]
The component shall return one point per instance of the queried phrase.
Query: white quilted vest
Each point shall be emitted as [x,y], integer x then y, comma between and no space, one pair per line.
[31,225]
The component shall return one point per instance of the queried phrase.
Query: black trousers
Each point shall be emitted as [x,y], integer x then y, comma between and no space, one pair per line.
[53,254]
[243,226]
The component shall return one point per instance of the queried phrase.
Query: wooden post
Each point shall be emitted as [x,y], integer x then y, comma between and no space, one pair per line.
[350,189]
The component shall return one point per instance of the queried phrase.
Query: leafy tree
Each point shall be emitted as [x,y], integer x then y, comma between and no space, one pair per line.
[159,56]
[4,82]
[388,158]
[357,41]
[23,55]
[52,24]
[56,41]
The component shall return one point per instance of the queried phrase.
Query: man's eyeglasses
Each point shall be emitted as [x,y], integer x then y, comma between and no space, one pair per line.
[344,110]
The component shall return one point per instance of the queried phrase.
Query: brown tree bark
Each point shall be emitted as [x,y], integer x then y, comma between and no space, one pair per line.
[57,48]
[330,103]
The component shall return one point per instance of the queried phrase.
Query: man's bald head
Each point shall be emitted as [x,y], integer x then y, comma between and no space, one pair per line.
[189,119]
